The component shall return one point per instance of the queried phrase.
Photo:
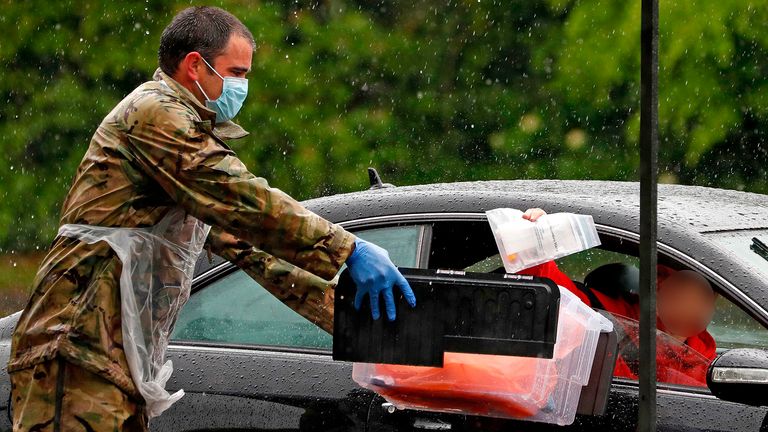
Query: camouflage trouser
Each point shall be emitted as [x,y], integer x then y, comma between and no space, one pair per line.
[58,396]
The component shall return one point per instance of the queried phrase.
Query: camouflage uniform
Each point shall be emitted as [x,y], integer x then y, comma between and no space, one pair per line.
[157,150]
[87,401]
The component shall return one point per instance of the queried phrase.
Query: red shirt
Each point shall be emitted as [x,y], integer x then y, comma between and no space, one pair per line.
[549,270]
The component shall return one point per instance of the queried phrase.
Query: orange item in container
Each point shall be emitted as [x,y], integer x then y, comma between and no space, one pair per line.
[500,386]
[467,383]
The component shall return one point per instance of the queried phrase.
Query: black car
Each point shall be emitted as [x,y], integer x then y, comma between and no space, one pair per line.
[248,362]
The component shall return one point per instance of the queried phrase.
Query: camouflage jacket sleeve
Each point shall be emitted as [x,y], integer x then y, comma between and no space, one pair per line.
[206,178]
[304,292]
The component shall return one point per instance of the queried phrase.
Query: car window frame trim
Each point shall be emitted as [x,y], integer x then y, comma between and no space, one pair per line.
[204,346]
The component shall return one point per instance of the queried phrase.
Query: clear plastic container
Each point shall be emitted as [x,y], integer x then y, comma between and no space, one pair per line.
[524,244]
[534,389]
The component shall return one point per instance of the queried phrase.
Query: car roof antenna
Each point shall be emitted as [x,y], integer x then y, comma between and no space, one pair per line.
[375,180]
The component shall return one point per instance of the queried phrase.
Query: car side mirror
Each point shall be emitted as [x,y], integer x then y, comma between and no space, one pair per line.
[740,375]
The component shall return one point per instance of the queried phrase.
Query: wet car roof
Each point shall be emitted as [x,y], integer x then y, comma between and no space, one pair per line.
[698,209]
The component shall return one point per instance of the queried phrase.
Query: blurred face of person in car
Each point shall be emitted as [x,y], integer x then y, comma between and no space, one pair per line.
[685,303]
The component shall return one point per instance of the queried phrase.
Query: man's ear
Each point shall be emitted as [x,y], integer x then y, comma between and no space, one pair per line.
[190,66]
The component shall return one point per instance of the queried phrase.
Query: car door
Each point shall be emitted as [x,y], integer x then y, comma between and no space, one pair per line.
[464,242]
[248,362]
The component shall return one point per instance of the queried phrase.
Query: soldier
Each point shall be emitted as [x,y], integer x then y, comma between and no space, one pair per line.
[155,179]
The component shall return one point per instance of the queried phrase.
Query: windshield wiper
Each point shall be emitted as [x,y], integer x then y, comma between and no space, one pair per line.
[759,248]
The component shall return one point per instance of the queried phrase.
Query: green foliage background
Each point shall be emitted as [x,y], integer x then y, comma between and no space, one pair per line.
[424,90]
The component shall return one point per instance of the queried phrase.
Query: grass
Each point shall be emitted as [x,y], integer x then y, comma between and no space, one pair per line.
[17,271]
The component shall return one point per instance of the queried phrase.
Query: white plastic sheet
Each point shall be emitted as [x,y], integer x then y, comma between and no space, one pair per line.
[158,266]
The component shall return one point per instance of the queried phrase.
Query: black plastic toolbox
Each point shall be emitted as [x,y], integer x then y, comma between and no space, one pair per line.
[456,311]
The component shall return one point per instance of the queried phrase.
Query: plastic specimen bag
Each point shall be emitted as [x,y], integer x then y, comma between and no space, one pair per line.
[158,264]
[523,244]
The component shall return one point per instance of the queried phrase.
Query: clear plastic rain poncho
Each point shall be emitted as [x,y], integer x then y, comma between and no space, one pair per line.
[158,266]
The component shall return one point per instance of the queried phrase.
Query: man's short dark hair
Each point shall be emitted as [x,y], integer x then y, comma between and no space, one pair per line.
[203,29]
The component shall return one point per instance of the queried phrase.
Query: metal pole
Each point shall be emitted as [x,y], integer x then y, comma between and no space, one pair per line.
[649,147]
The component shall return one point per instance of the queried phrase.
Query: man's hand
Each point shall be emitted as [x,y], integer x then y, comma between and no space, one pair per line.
[374,273]
[533,214]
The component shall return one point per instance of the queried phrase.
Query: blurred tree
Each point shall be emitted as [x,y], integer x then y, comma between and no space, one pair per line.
[426,90]
[713,92]
[65,64]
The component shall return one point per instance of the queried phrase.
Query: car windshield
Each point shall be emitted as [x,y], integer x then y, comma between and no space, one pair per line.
[742,246]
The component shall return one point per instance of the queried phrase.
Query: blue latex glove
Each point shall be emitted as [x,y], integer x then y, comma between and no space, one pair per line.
[374,273]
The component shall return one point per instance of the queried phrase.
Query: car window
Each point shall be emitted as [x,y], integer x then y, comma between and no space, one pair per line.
[579,265]
[457,245]
[404,244]
[237,310]
[733,328]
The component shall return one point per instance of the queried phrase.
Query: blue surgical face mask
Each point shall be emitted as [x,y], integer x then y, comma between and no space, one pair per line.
[233,95]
